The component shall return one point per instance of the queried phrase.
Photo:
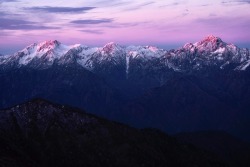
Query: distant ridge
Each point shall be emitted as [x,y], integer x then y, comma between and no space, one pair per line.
[208,52]
[40,133]
[200,86]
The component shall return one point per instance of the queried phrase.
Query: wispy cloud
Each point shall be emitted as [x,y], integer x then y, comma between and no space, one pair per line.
[111,3]
[139,6]
[205,5]
[17,24]
[92,21]
[211,21]
[5,33]
[60,9]
[126,21]
[232,2]
[216,22]
[2,1]
[244,1]
[171,4]
[213,14]
[8,14]
[125,25]
[92,31]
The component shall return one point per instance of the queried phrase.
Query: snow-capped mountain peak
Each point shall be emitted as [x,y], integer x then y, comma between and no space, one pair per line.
[51,44]
[211,39]
[77,46]
[211,51]
[48,51]
[145,52]
[110,48]
[210,44]
[152,48]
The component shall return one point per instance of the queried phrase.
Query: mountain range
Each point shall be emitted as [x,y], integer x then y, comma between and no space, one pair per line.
[211,51]
[200,86]
[39,133]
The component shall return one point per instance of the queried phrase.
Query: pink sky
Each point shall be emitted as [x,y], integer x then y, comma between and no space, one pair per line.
[164,23]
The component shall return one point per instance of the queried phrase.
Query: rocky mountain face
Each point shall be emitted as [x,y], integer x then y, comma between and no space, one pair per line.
[40,133]
[136,67]
[199,86]
[72,85]
[195,102]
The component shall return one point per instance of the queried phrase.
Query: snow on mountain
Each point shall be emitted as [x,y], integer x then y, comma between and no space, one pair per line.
[145,52]
[4,59]
[46,51]
[111,51]
[210,43]
[211,51]
[51,50]
[244,65]
[84,56]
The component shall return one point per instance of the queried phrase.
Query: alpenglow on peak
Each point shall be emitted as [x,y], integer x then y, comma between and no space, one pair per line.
[211,51]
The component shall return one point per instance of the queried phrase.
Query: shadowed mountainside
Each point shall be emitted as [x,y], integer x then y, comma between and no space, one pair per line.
[40,133]
[231,149]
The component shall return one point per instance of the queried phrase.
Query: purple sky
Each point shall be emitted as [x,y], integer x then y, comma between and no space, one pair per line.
[163,23]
